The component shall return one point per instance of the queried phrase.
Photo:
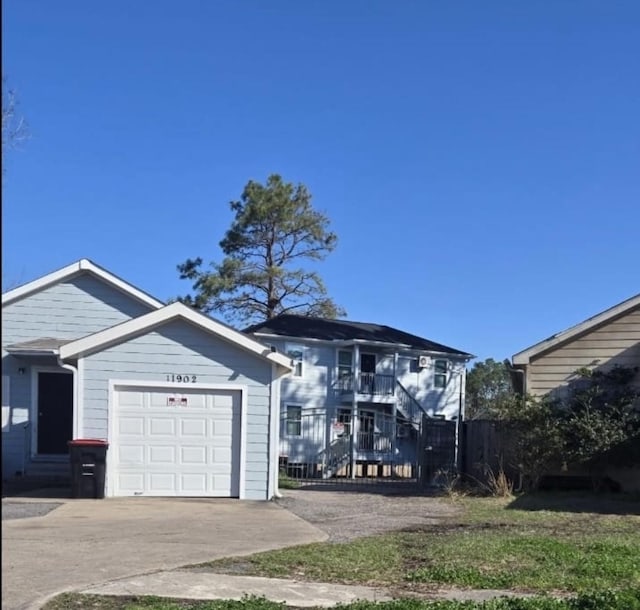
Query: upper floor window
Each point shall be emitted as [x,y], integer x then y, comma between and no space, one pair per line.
[296,353]
[345,364]
[440,373]
[294,420]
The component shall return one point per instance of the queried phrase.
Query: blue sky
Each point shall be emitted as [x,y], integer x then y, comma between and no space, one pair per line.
[479,161]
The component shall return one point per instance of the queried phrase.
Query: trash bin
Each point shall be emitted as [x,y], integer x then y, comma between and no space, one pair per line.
[88,458]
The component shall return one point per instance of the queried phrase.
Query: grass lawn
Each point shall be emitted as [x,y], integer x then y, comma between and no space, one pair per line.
[286,482]
[548,542]
[609,600]
[585,546]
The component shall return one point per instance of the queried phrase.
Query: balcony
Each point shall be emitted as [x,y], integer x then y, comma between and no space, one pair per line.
[368,384]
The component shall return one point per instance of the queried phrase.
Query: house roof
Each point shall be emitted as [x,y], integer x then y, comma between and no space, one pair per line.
[136,326]
[42,345]
[82,266]
[523,357]
[288,325]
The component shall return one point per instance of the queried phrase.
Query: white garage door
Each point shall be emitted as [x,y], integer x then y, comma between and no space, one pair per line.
[168,443]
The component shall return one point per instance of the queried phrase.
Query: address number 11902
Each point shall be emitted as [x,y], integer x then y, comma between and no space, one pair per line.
[181,378]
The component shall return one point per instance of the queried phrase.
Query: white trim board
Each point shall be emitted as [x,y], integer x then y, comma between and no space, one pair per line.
[274,410]
[136,326]
[83,265]
[523,357]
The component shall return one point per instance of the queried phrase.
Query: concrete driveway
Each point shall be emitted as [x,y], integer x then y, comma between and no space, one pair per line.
[86,542]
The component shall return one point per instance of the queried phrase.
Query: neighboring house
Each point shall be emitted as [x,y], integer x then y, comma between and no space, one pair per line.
[358,393]
[607,339]
[188,405]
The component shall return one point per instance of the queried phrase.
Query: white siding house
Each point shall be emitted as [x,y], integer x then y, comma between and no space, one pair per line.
[358,394]
[185,402]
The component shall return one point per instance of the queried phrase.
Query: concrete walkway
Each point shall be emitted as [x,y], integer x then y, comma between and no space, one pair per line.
[205,585]
[192,584]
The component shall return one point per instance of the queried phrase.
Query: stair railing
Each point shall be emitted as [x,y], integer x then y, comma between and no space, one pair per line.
[409,407]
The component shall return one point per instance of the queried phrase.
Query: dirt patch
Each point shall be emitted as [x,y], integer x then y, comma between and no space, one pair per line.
[346,515]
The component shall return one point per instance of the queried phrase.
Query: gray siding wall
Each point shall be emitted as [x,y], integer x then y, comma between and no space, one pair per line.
[181,348]
[315,389]
[421,385]
[71,309]
[616,342]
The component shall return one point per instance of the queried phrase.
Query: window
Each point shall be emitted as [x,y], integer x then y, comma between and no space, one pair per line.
[345,360]
[294,420]
[296,353]
[344,417]
[440,375]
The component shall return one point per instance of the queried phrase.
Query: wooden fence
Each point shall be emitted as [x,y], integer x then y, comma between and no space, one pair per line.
[485,447]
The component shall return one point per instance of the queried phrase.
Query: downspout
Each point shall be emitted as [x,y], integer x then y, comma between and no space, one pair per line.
[76,397]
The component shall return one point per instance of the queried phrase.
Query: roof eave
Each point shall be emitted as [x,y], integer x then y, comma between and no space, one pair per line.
[523,358]
[74,269]
[32,352]
[349,342]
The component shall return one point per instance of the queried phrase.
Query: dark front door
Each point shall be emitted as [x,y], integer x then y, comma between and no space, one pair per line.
[55,413]
[368,363]
[367,373]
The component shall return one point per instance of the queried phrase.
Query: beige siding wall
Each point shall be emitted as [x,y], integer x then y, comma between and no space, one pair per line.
[615,342]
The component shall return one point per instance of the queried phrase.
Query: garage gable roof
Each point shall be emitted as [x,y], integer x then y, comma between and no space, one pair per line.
[82,266]
[523,357]
[136,326]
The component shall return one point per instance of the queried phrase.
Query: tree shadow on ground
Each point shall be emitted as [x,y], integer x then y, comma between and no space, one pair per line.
[579,502]
[391,488]
[27,489]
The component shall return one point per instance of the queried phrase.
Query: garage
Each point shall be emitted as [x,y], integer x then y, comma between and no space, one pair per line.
[176,443]
[187,405]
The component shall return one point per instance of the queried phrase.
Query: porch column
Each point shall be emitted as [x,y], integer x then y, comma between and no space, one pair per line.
[356,369]
[355,422]
[394,413]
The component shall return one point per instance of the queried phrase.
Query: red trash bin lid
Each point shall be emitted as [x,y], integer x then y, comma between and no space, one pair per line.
[87,442]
